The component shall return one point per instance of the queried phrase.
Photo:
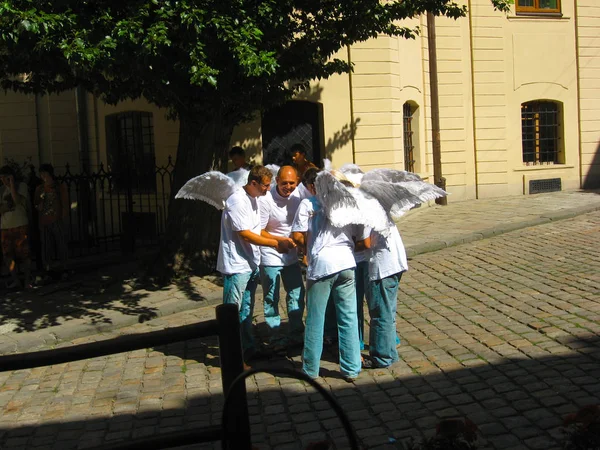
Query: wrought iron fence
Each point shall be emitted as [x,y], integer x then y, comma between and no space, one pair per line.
[112,211]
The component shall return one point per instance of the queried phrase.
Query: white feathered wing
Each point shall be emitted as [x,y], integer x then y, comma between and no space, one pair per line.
[384,195]
[398,198]
[353,172]
[345,205]
[213,187]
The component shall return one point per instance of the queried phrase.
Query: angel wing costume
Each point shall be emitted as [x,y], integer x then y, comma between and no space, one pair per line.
[379,197]
[213,187]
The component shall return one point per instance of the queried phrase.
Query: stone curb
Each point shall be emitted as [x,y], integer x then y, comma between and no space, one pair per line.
[433,246]
[36,339]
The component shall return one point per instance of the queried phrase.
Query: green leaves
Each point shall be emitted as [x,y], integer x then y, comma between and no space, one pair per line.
[194,55]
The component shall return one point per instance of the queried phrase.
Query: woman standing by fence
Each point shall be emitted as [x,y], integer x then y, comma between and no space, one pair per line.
[52,202]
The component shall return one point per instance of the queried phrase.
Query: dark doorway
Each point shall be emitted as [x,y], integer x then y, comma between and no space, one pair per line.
[292,123]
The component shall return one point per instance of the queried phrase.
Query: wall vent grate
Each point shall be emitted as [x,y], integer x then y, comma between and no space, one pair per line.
[548,185]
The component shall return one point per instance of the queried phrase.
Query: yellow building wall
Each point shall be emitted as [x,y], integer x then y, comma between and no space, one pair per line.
[588,33]
[517,59]
[39,129]
[456,105]
[18,128]
[166,131]
[387,74]
[58,131]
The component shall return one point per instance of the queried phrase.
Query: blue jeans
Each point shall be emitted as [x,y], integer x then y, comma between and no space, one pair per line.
[362,280]
[291,276]
[383,303]
[239,289]
[341,286]
[330,328]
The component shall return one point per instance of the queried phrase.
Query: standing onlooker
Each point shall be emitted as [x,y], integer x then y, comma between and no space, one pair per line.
[330,272]
[14,201]
[301,163]
[52,202]
[239,253]
[277,211]
[386,266]
[238,158]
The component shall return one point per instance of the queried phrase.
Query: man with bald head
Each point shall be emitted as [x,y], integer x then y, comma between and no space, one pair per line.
[277,211]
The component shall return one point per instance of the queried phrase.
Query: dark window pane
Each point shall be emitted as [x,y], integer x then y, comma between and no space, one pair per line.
[539,128]
[130,145]
[409,157]
[548,4]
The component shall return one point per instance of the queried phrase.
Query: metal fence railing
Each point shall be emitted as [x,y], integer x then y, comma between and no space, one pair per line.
[112,211]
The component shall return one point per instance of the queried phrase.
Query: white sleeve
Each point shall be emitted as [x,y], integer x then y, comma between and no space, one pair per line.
[239,214]
[302,217]
[264,205]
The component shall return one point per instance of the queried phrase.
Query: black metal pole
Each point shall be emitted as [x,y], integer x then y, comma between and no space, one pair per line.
[232,365]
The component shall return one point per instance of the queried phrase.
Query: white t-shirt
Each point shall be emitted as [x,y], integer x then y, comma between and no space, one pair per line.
[301,192]
[330,249]
[235,254]
[388,255]
[276,216]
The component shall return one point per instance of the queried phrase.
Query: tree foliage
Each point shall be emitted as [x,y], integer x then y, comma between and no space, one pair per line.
[190,55]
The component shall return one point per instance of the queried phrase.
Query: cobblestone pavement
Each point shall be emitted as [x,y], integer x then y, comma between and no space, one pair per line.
[98,300]
[504,331]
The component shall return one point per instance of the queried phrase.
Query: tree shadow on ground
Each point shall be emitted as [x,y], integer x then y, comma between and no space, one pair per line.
[517,402]
[93,295]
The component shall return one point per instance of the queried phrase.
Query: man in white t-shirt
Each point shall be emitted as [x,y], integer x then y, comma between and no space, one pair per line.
[277,211]
[386,266]
[239,253]
[330,272]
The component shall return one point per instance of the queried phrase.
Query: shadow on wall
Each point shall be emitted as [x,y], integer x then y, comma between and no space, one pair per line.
[591,180]
[341,138]
[514,401]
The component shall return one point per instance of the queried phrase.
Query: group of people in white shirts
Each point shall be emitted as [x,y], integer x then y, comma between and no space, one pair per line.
[264,229]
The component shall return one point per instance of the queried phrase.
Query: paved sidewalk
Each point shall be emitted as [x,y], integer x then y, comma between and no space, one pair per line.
[432,228]
[504,331]
[90,303]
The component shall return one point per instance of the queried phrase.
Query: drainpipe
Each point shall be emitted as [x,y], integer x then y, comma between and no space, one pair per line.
[577,68]
[474,130]
[439,180]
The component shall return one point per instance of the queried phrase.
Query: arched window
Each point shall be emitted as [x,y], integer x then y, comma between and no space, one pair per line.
[540,127]
[411,135]
[130,149]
